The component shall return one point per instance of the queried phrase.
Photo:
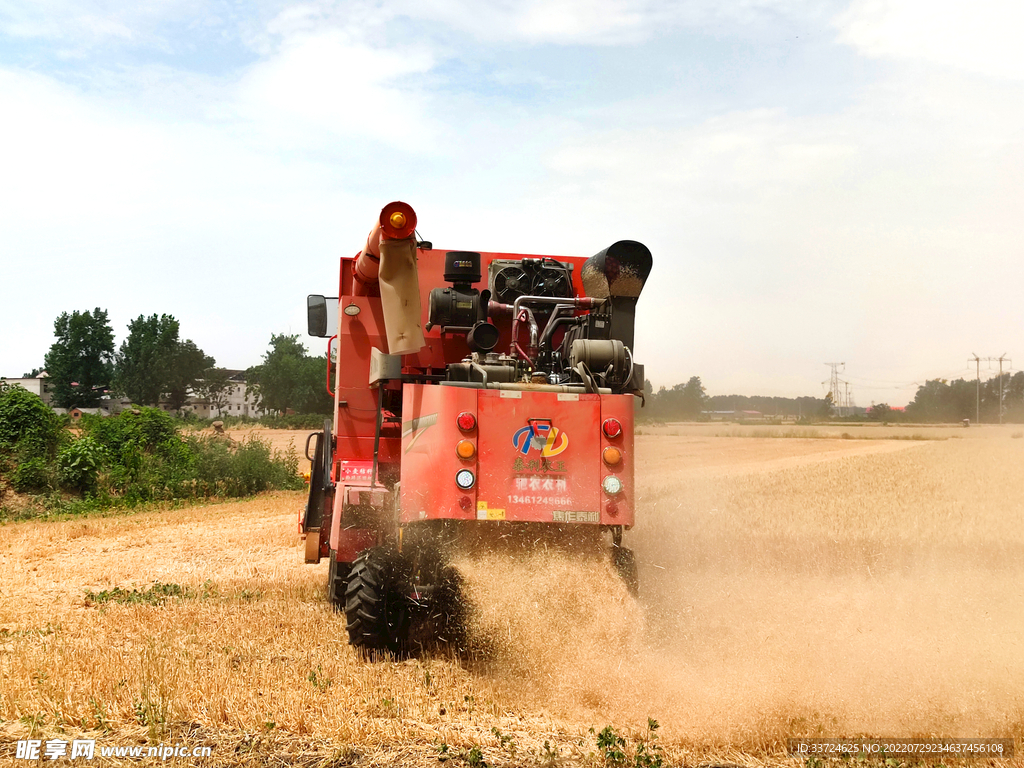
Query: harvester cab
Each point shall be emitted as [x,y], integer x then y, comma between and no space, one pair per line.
[479,399]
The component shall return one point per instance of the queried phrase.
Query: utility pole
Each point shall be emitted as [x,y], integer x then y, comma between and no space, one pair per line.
[977,415]
[977,363]
[1001,358]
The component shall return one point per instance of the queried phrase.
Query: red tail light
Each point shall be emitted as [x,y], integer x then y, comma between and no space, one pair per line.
[612,428]
[466,421]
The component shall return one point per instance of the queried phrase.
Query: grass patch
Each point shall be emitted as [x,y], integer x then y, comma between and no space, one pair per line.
[159,594]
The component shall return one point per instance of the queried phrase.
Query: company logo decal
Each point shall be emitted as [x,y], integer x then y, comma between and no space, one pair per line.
[547,439]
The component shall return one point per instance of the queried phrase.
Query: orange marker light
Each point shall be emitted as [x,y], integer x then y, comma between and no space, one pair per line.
[611,455]
[465,449]
[397,221]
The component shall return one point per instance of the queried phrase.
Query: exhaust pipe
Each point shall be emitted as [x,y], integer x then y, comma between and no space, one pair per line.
[618,273]
[388,262]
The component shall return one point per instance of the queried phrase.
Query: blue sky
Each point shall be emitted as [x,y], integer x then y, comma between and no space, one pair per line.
[818,181]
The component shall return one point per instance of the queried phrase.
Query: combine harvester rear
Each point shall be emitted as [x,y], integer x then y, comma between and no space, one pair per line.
[481,399]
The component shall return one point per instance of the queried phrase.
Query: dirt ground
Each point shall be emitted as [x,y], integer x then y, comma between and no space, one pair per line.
[804,586]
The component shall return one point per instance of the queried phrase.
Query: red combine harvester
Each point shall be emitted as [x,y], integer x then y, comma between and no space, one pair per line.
[481,399]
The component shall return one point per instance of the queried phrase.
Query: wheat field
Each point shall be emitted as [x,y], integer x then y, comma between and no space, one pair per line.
[800,587]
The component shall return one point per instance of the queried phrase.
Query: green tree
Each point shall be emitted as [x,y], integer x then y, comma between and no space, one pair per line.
[1013,398]
[683,401]
[188,365]
[80,362]
[143,362]
[881,412]
[826,407]
[153,363]
[215,387]
[288,378]
[938,400]
[694,398]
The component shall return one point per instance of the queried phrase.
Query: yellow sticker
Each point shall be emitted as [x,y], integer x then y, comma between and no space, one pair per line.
[495,514]
[481,505]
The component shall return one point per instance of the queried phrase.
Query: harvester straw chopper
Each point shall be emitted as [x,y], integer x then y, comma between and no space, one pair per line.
[479,399]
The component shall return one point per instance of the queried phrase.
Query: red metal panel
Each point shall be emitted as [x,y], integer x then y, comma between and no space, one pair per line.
[429,462]
[347,541]
[539,456]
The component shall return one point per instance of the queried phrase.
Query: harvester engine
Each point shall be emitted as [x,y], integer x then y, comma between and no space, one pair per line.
[468,412]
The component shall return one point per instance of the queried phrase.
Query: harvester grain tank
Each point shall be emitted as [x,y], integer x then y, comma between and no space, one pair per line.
[480,399]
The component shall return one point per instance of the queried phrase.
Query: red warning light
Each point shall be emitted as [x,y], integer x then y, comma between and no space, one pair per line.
[612,428]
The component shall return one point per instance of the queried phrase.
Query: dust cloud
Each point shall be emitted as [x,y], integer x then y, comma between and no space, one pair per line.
[748,633]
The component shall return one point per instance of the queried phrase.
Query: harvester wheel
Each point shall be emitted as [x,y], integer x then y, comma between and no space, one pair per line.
[337,579]
[452,609]
[376,601]
[625,565]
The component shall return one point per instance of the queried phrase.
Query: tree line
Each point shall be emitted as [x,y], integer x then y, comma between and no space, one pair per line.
[155,366]
[936,401]
[940,400]
[690,401]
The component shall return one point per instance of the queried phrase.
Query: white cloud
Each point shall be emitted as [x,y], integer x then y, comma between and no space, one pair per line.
[330,83]
[779,239]
[80,25]
[564,22]
[981,38]
[140,215]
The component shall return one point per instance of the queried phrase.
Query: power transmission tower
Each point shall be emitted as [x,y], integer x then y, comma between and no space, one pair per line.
[833,383]
[1001,358]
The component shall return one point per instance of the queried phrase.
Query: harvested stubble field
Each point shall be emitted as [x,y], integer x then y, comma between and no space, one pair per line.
[799,587]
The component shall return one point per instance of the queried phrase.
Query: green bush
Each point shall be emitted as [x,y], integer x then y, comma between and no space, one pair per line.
[32,474]
[136,456]
[79,464]
[150,460]
[244,468]
[26,423]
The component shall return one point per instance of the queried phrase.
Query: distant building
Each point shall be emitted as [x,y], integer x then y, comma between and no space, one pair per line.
[39,385]
[76,413]
[720,415]
[239,401]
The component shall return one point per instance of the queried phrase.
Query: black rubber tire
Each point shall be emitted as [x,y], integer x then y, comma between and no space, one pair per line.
[377,603]
[451,610]
[337,580]
[625,565]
